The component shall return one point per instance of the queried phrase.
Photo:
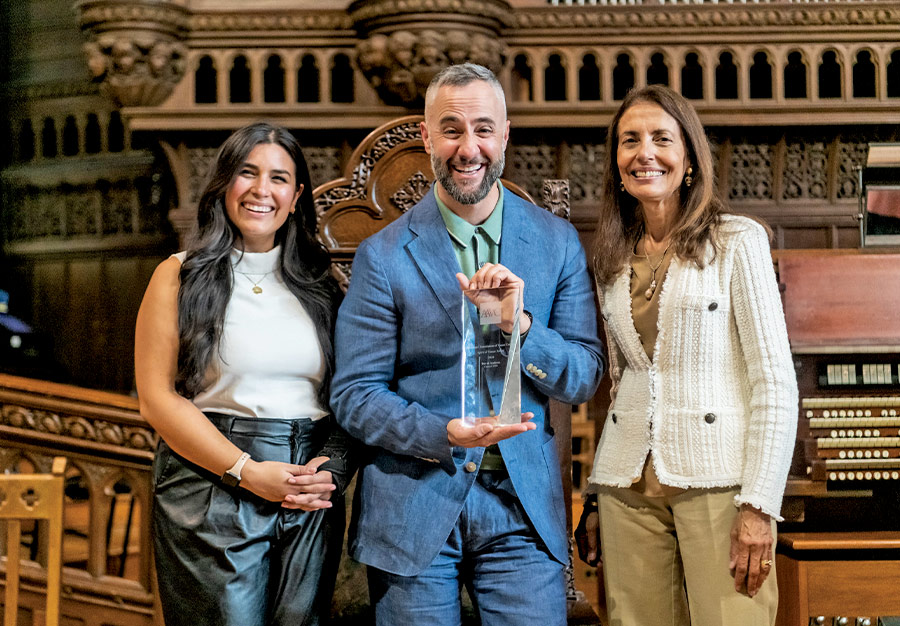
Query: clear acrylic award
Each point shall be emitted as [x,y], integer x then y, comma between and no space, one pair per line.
[491,381]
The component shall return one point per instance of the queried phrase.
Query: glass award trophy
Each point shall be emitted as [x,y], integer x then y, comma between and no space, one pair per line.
[491,380]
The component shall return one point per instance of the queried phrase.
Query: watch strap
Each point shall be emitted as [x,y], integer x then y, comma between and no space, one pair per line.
[232,476]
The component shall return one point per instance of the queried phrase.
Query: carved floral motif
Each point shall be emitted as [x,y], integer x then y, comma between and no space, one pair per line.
[199,162]
[751,172]
[530,165]
[115,208]
[412,192]
[586,172]
[852,154]
[805,170]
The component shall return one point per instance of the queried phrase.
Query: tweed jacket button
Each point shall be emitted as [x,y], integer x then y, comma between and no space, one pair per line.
[713,306]
[471,467]
[614,418]
[710,418]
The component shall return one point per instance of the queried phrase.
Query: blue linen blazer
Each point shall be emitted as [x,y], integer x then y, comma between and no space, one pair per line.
[397,384]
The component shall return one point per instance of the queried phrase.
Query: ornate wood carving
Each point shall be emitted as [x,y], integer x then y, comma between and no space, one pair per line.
[76,417]
[707,16]
[555,197]
[109,448]
[401,66]
[135,50]
[409,194]
[351,208]
[403,51]
[271,21]
[373,14]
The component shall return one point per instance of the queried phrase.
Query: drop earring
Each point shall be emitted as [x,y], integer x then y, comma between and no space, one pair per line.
[688,179]
[621,185]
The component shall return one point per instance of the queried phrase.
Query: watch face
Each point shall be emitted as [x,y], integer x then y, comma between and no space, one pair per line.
[230,480]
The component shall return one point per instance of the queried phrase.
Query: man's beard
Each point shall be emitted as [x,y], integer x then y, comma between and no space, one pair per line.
[445,178]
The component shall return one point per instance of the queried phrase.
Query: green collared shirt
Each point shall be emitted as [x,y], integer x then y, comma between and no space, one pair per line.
[473,244]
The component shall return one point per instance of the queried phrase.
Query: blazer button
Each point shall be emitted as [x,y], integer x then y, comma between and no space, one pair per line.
[710,418]
[614,418]
[471,467]
[713,306]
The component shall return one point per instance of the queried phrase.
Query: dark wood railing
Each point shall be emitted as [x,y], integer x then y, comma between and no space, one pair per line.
[108,576]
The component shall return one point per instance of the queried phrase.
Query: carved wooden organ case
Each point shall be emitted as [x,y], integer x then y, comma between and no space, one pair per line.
[843,317]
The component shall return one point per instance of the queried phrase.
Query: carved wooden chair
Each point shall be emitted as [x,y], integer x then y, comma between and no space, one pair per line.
[387,174]
[33,497]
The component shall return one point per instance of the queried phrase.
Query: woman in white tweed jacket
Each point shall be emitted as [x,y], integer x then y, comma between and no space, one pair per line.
[693,458]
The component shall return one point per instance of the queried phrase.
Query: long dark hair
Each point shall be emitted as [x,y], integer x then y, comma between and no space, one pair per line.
[206,274]
[621,223]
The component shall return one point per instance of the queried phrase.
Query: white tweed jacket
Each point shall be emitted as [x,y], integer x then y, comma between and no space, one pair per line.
[717,406]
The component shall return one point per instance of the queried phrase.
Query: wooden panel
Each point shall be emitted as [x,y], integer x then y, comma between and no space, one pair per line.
[837,574]
[88,307]
[793,602]
[841,300]
[853,587]
[83,316]
[124,282]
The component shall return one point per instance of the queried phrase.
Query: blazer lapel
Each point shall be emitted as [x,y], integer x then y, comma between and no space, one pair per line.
[432,252]
[516,250]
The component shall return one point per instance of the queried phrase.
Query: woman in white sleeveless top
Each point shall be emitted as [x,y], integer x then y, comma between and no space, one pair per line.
[233,359]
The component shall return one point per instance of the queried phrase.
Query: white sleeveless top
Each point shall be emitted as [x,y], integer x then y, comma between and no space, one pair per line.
[270,362]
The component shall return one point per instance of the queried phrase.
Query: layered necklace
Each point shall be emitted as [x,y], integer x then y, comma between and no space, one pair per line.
[653,268]
[256,288]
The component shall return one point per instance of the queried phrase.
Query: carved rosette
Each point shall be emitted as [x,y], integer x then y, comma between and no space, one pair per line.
[135,49]
[412,192]
[406,42]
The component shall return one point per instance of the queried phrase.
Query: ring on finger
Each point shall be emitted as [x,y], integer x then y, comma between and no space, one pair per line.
[766,563]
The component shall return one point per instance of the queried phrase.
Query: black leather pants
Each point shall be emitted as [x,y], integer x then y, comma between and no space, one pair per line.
[227,557]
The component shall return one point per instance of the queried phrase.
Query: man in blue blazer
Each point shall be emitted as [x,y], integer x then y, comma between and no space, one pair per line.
[440,504]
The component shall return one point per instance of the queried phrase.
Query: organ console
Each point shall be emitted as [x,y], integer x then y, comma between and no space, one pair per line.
[838,558]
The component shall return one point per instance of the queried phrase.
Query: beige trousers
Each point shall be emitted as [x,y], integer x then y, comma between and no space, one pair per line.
[665,561]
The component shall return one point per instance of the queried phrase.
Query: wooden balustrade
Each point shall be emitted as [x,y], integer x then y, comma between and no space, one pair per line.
[108,576]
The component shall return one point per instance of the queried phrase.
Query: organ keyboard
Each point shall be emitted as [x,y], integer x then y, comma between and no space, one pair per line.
[852,439]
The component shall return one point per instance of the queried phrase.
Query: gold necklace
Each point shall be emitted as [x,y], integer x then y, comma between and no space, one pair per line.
[652,288]
[256,288]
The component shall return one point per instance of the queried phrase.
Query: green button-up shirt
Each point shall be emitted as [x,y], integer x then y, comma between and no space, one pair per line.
[473,244]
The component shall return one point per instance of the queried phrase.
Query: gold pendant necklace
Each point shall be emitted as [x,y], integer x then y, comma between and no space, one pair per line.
[652,288]
[256,288]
